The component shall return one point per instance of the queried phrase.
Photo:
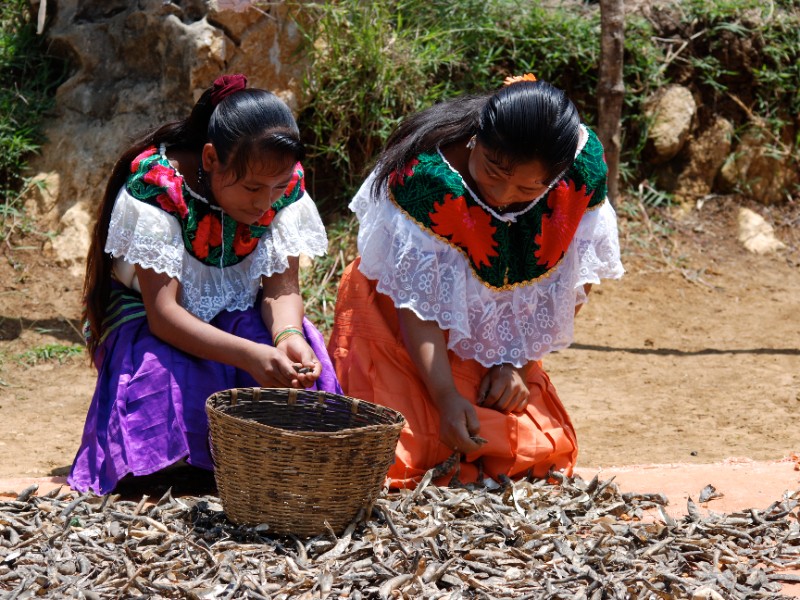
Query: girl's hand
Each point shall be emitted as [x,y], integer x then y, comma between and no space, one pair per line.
[503,388]
[272,368]
[306,364]
[458,423]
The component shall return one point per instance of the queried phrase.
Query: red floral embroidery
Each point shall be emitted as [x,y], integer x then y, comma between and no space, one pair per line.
[397,177]
[166,177]
[468,227]
[138,160]
[243,242]
[568,205]
[209,233]
[297,178]
[266,219]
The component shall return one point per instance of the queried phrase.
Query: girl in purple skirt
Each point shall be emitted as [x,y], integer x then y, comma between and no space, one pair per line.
[192,282]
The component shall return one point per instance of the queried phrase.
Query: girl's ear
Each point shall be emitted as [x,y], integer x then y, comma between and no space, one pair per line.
[210,158]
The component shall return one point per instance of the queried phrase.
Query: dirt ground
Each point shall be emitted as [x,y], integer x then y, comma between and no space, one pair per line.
[694,356]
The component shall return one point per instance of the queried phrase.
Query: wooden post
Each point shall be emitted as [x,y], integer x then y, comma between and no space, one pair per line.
[610,88]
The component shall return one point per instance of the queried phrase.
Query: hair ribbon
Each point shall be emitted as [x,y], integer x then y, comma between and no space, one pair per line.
[226,85]
[517,78]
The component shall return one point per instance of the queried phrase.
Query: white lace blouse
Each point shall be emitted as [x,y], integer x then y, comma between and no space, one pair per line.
[143,234]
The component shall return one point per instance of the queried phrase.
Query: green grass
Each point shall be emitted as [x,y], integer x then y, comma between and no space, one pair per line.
[49,353]
[30,76]
[319,282]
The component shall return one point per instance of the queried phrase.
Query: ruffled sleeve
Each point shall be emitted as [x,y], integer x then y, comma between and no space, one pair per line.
[145,235]
[597,250]
[297,229]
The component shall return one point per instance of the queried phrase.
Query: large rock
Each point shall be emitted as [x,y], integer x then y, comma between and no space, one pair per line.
[670,112]
[756,235]
[707,153]
[760,168]
[138,64]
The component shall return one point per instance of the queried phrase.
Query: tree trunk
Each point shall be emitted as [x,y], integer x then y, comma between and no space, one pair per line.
[610,88]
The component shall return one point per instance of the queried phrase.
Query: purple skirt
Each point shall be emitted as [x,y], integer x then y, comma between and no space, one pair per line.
[148,409]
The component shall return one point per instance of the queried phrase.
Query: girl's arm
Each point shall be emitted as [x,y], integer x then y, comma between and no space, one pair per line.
[587,287]
[427,349]
[282,312]
[173,324]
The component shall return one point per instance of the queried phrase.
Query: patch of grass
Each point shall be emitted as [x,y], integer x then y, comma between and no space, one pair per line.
[30,76]
[319,281]
[370,67]
[50,353]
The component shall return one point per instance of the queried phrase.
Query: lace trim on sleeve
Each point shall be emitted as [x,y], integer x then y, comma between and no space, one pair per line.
[145,235]
[296,229]
[597,248]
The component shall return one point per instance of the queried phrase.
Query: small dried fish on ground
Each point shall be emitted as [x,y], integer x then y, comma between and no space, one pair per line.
[557,537]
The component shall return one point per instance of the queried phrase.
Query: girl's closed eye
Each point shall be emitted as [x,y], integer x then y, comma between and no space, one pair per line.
[533,191]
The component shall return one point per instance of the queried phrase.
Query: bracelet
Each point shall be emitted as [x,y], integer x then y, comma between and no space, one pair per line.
[285,333]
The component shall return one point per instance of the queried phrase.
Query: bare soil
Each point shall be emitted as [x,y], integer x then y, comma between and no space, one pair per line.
[694,356]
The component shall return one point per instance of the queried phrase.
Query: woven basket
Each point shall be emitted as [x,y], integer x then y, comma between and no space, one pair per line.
[294,459]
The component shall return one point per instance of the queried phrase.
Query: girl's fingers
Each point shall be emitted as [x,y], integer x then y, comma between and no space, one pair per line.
[518,405]
[483,389]
[316,367]
[506,400]
[308,372]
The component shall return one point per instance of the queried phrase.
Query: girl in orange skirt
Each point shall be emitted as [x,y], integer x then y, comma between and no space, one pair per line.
[481,230]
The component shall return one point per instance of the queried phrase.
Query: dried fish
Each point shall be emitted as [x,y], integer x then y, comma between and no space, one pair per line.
[709,493]
[558,537]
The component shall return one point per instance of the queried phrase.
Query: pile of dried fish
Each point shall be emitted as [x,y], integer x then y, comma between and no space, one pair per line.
[568,538]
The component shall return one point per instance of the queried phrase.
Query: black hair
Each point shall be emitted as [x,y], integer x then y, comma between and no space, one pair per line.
[524,121]
[252,123]
[245,124]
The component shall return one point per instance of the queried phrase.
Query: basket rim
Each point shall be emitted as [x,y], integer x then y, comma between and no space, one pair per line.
[398,423]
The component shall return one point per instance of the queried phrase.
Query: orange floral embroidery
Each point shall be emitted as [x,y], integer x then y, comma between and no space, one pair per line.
[243,242]
[468,227]
[558,228]
[517,78]
[267,217]
[209,233]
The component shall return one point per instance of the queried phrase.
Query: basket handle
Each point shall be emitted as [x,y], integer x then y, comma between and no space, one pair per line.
[292,397]
[234,396]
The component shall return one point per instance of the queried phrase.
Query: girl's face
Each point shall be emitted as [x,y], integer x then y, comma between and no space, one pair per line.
[248,198]
[500,186]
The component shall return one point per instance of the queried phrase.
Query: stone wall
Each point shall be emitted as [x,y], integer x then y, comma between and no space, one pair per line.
[135,65]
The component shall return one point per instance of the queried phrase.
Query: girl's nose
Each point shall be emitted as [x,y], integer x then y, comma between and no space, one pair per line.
[266,200]
[503,194]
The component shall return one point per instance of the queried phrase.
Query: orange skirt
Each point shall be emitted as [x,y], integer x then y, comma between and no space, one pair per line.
[372,364]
